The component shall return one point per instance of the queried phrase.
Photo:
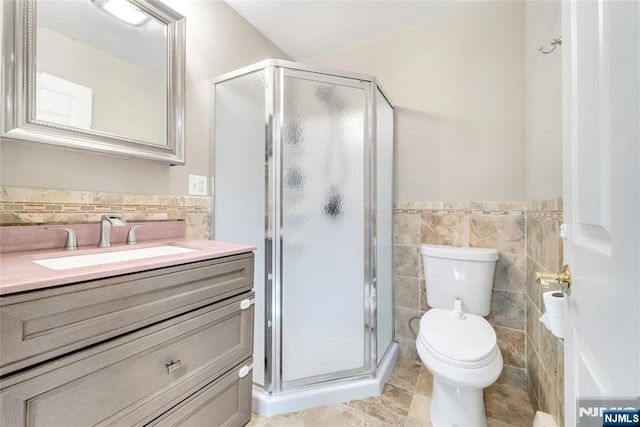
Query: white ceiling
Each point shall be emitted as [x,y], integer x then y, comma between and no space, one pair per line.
[305,28]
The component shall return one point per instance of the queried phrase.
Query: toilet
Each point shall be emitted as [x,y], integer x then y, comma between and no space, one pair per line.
[455,343]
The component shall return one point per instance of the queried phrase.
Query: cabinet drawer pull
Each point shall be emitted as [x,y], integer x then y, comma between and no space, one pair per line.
[246,303]
[244,371]
[173,366]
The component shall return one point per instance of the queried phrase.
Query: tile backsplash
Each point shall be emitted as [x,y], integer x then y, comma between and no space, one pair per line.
[31,206]
[499,225]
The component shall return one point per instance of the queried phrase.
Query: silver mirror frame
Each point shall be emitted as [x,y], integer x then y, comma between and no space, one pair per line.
[18,90]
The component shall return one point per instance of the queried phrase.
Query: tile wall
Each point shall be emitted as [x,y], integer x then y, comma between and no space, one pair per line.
[26,205]
[545,352]
[533,356]
[499,225]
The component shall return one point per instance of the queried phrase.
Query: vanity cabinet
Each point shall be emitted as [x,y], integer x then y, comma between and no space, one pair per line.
[170,346]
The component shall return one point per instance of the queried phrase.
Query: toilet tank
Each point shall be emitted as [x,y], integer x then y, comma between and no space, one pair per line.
[459,273]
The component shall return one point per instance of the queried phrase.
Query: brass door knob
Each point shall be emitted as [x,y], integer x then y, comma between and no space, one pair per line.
[562,279]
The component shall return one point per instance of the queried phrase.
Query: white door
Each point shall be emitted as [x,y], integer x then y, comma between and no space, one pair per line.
[601,91]
[63,102]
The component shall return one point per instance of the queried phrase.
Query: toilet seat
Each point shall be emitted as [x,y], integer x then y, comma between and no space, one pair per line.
[468,342]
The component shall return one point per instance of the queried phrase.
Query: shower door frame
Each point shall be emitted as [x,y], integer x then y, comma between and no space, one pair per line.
[274,89]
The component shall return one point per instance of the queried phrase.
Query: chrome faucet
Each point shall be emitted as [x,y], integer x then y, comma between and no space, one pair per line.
[105,229]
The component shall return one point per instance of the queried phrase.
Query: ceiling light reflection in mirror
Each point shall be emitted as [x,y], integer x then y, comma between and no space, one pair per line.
[122,10]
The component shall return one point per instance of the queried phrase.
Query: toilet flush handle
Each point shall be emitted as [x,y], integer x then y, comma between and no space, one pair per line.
[457,312]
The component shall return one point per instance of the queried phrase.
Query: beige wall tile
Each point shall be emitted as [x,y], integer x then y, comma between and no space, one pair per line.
[407,261]
[407,292]
[511,343]
[510,273]
[504,233]
[10,218]
[547,398]
[511,375]
[550,245]
[443,229]
[424,306]
[533,238]
[108,198]
[533,398]
[457,205]
[560,415]
[549,355]
[198,225]
[561,370]
[533,289]
[402,323]
[533,324]
[491,422]
[69,207]
[406,349]
[507,309]
[16,218]
[533,371]
[549,205]
[406,229]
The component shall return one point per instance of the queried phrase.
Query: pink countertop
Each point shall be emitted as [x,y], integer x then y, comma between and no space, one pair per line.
[18,272]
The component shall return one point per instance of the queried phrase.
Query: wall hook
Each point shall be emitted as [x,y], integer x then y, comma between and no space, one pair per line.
[554,43]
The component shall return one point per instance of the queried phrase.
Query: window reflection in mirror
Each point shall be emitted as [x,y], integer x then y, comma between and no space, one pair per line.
[98,73]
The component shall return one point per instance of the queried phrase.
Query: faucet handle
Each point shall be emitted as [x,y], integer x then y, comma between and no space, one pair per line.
[71,243]
[131,235]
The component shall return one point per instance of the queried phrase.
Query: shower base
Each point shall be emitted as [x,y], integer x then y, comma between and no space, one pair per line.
[322,395]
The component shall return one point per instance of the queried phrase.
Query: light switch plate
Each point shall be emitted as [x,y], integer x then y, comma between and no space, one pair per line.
[197,185]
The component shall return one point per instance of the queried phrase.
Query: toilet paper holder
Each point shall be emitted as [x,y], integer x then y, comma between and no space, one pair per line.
[562,279]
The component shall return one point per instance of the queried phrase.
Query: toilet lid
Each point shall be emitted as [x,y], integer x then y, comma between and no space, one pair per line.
[470,339]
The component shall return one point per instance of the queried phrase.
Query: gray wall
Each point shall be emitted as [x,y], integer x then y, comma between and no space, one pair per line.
[218,41]
[458,86]
[543,101]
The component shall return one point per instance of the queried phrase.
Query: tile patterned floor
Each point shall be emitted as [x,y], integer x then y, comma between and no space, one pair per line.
[405,402]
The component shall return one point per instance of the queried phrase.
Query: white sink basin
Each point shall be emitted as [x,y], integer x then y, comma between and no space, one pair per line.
[77,261]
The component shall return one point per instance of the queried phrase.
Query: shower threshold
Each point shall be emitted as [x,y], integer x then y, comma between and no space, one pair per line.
[322,395]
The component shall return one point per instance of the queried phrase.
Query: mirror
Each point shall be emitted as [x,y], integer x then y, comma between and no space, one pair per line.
[80,74]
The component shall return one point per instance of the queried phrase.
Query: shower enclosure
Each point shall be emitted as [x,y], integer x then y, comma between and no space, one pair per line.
[304,171]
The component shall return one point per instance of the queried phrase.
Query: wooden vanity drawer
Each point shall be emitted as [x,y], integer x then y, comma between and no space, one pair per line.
[37,326]
[133,379]
[225,402]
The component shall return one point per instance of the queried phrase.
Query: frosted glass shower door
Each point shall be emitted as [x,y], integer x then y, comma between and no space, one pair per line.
[240,197]
[384,223]
[323,228]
